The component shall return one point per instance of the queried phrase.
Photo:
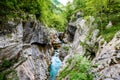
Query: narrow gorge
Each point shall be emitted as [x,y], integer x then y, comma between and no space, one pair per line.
[46,40]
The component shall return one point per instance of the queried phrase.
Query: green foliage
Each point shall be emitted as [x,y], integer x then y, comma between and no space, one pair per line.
[4,75]
[69,10]
[103,11]
[44,10]
[109,33]
[66,48]
[6,63]
[74,7]
[78,68]
[58,22]
[16,7]
[79,4]
[6,70]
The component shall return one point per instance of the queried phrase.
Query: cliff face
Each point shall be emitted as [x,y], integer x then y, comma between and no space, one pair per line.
[108,60]
[86,41]
[27,49]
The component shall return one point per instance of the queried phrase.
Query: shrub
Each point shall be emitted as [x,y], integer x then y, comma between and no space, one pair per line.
[5,75]
[80,69]
[6,63]
[109,33]
[44,10]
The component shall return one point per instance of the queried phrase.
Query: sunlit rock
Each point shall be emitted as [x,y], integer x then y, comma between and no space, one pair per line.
[109,25]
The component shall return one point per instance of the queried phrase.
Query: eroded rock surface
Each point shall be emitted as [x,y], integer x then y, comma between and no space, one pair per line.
[31,44]
[85,40]
[108,60]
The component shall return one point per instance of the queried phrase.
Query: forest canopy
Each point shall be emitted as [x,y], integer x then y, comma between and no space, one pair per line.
[44,10]
[47,12]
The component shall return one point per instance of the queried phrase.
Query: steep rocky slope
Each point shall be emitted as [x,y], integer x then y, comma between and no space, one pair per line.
[108,60]
[27,49]
[86,41]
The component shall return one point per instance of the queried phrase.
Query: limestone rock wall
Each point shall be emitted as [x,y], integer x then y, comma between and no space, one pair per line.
[108,60]
[85,40]
[28,49]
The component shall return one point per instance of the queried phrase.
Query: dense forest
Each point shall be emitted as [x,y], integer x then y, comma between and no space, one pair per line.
[44,10]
